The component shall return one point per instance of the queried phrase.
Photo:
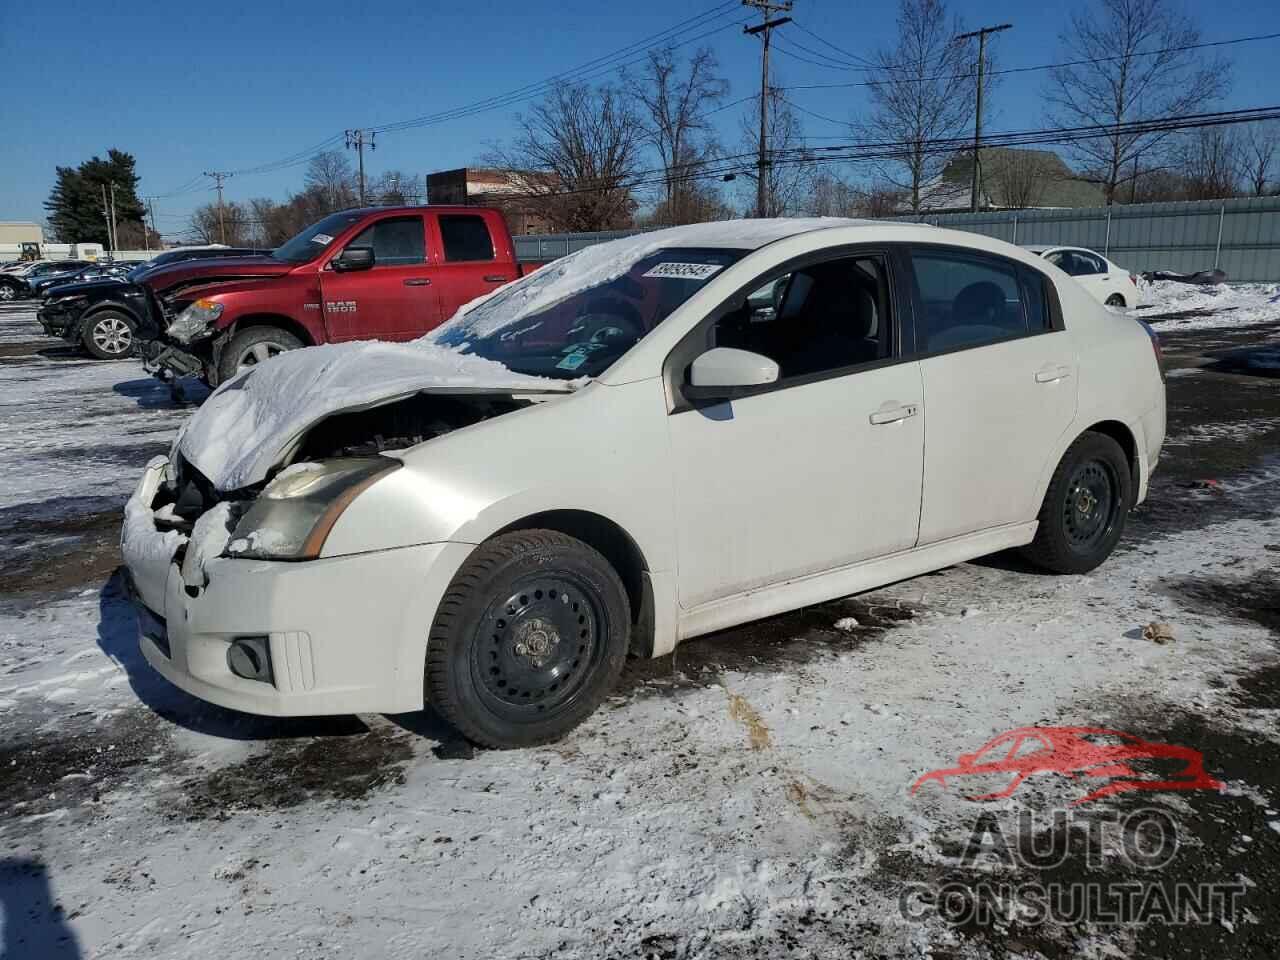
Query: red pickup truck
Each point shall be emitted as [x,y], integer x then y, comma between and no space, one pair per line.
[381,273]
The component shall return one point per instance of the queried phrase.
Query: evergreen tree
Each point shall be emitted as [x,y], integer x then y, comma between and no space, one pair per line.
[75,202]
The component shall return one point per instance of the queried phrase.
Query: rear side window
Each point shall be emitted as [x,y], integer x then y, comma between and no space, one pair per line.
[466,237]
[1035,296]
[967,301]
[397,242]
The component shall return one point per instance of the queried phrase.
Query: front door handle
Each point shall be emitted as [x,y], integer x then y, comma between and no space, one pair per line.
[417,282]
[496,278]
[892,413]
[1052,373]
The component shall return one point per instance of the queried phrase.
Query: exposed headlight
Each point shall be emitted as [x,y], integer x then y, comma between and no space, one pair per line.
[292,517]
[196,321]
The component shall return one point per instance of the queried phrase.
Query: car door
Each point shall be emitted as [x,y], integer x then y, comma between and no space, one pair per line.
[818,470]
[468,264]
[395,299]
[999,373]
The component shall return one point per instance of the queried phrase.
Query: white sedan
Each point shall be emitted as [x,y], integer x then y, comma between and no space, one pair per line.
[1109,283]
[648,440]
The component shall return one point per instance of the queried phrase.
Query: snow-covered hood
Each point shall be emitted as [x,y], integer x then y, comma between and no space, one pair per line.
[251,422]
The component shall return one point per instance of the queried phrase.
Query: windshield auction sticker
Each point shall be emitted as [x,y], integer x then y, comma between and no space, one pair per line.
[322,238]
[684,271]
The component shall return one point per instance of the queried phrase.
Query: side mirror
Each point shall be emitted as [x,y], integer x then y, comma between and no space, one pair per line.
[353,258]
[723,373]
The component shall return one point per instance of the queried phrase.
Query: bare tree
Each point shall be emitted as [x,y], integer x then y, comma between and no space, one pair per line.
[207,224]
[1209,161]
[830,195]
[576,154]
[789,169]
[330,173]
[672,103]
[928,94]
[1021,177]
[1259,145]
[1129,62]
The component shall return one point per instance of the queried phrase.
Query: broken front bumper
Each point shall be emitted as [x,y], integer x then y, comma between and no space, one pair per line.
[344,634]
[168,360]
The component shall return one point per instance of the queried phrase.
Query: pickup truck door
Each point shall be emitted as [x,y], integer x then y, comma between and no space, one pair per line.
[396,299]
[470,263]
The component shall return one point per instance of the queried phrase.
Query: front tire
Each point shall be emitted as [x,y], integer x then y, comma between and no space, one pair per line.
[1083,514]
[252,346]
[109,335]
[529,639]
[8,293]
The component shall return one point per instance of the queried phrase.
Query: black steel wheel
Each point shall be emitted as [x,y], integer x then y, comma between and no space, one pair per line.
[528,640]
[1115,300]
[1084,509]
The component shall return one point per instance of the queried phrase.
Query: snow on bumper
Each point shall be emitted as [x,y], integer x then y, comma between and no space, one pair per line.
[344,635]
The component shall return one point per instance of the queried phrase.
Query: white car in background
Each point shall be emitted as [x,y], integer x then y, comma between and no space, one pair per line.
[1110,284]
[645,441]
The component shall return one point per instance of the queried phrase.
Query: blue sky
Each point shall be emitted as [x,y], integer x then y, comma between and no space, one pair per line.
[229,86]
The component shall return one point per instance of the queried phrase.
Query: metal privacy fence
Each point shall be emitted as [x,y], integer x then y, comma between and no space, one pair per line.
[1239,236]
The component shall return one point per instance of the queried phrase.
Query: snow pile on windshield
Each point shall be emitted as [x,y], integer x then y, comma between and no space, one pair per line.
[1186,306]
[603,262]
[240,431]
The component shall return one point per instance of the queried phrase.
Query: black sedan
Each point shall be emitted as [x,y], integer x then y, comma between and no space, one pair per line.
[15,287]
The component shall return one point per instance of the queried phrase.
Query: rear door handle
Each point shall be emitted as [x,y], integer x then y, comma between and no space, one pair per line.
[496,278]
[892,413]
[417,282]
[1052,373]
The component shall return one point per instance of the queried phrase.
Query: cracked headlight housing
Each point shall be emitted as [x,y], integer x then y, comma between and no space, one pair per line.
[196,321]
[293,515]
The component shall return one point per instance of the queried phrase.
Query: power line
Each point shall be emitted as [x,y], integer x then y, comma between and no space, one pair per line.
[981,33]
[1037,67]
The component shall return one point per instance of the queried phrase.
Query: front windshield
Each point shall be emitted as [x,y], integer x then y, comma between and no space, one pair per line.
[311,242]
[582,334]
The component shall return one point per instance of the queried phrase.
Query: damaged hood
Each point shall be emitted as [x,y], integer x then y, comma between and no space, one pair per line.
[251,423]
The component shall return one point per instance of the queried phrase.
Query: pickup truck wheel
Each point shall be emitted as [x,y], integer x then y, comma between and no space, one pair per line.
[528,640]
[252,346]
[1084,509]
[109,335]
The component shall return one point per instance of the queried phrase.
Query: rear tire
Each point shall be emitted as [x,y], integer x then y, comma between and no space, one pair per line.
[528,640]
[252,346]
[8,293]
[1083,514]
[1115,300]
[109,335]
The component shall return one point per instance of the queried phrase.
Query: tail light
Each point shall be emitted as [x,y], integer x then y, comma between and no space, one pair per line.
[1133,279]
[1155,346]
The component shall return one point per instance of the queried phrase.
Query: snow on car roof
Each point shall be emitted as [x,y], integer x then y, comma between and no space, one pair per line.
[603,262]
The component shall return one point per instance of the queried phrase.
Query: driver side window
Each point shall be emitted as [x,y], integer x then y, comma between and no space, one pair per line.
[396,242]
[820,318]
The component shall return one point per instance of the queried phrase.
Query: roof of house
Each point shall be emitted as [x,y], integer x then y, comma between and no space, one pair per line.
[1041,177]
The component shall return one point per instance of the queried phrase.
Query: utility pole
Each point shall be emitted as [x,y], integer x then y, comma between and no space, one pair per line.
[359,139]
[106,215]
[217,178]
[763,29]
[114,239]
[146,236]
[981,34]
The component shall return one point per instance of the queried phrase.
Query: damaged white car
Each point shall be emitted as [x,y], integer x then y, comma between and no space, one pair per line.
[646,441]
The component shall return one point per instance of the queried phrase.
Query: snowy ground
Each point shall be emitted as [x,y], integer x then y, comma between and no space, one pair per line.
[748,796]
